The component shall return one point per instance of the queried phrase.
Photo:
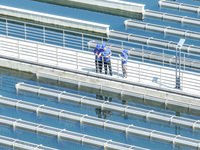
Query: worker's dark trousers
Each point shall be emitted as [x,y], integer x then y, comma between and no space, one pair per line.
[100,66]
[97,66]
[124,70]
[107,63]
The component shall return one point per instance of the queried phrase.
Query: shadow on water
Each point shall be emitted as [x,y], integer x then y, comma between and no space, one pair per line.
[105,10]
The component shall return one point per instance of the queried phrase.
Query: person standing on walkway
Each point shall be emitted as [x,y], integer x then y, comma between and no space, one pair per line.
[106,53]
[96,52]
[100,60]
[124,58]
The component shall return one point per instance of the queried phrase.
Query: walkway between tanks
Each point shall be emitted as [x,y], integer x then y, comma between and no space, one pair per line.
[143,78]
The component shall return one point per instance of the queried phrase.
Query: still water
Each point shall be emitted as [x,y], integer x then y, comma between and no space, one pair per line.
[9,78]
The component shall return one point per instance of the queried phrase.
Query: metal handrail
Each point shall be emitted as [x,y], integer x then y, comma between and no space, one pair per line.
[136,71]
[41,29]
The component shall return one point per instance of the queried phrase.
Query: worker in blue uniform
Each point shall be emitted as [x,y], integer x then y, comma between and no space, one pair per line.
[96,52]
[106,53]
[124,58]
[100,60]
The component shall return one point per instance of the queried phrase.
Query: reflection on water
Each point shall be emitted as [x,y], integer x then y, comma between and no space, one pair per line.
[103,113]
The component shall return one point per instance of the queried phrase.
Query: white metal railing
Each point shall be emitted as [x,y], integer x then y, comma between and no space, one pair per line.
[68,135]
[172,17]
[69,58]
[18,144]
[107,124]
[179,6]
[152,56]
[102,105]
[77,40]
[162,29]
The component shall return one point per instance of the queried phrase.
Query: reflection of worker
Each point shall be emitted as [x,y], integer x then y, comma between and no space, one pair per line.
[124,58]
[96,50]
[103,113]
[106,53]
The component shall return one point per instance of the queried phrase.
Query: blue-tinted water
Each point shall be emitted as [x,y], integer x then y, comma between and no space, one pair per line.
[8,90]
[8,81]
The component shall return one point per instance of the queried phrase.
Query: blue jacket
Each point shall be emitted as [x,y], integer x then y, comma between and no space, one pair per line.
[106,53]
[125,57]
[100,51]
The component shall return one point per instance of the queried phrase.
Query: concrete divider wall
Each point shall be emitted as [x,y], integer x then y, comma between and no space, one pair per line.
[98,81]
[55,20]
[116,4]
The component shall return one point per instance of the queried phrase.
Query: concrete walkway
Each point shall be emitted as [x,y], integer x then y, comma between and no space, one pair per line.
[146,79]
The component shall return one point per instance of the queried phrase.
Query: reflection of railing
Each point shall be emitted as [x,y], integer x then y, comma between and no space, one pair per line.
[69,58]
[77,40]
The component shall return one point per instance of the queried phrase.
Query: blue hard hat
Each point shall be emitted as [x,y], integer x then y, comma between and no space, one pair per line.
[125,51]
[103,46]
[98,46]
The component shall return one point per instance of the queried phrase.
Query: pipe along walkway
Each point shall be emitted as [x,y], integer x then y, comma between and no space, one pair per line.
[162,29]
[65,134]
[107,124]
[19,144]
[179,6]
[153,41]
[172,17]
[106,105]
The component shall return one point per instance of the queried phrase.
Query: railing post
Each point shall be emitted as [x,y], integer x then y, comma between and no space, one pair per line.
[142,53]
[63,38]
[77,60]
[160,77]
[163,58]
[25,31]
[122,45]
[118,68]
[37,53]
[139,71]
[57,56]
[184,61]
[44,34]
[82,43]
[18,48]
[6,27]
[182,81]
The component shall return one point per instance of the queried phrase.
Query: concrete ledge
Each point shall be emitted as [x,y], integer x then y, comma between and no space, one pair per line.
[116,4]
[98,81]
[54,20]
[127,92]
[110,4]
[106,9]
